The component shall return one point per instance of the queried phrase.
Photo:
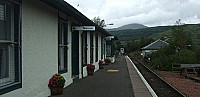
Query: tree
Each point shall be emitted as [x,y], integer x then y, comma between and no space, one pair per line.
[180,38]
[99,22]
[145,41]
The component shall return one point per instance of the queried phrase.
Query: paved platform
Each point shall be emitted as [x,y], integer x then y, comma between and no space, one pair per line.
[115,80]
[139,88]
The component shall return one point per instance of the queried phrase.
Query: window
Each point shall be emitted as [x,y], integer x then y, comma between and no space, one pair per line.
[62,46]
[10,68]
[91,47]
[108,50]
[96,59]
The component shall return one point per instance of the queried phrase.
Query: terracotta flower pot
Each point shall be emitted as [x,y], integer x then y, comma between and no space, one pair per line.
[100,66]
[90,72]
[56,90]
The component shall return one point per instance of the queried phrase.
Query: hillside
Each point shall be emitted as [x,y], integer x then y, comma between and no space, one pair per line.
[157,32]
[129,26]
[130,34]
[194,29]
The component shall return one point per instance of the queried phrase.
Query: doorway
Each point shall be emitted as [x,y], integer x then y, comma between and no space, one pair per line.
[75,54]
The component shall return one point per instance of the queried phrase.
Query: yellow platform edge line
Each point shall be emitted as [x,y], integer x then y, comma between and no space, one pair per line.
[112,70]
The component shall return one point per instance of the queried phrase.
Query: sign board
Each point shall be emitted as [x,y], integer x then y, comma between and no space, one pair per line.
[83,28]
[122,50]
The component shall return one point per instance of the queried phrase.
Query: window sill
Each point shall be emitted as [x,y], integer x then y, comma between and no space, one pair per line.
[62,71]
[10,87]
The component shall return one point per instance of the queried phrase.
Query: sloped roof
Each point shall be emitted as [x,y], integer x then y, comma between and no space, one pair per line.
[155,45]
[66,8]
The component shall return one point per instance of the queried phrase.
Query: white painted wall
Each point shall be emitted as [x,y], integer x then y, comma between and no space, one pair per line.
[147,51]
[39,49]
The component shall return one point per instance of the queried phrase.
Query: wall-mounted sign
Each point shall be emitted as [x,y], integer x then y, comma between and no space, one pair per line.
[122,50]
[84,28]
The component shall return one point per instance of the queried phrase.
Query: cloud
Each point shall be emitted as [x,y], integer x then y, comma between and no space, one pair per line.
[147,12]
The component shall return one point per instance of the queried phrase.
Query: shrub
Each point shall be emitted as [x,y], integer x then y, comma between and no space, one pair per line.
[185,56]
[162,59]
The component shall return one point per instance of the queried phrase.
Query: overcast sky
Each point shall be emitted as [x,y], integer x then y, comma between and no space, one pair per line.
[148,12]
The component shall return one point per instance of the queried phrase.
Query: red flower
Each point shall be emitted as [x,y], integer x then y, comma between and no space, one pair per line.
[56,80]
[100,62]
[90,66]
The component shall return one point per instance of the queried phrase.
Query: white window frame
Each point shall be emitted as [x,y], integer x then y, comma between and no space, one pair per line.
[62,46]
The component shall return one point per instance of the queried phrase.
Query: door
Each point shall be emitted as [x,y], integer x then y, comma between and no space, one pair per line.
[75,54]
[84,49]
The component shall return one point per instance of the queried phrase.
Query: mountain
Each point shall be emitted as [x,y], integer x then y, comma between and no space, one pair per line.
[129,26]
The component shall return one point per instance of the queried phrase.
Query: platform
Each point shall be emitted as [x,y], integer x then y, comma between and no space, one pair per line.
[119,79]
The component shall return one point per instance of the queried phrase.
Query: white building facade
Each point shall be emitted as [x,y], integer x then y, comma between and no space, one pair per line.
[38,41]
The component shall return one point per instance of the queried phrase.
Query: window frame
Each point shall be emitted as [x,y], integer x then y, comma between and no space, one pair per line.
[17,83]
[63,44]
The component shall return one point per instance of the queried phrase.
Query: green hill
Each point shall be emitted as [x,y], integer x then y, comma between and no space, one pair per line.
[130,34]
[156,33]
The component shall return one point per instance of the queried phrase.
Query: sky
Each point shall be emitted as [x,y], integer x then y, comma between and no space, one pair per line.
[147,12]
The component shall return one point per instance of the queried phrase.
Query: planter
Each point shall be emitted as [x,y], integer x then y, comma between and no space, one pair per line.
[90,72]
[56,90]
[100,66]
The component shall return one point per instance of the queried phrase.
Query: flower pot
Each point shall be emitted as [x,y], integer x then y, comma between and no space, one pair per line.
[56,90]
[100,66]
[90,72]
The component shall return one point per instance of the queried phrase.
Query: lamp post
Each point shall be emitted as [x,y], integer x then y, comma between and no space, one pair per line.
[110,24]
[107,25]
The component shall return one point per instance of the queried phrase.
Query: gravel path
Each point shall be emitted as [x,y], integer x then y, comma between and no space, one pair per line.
[188,87]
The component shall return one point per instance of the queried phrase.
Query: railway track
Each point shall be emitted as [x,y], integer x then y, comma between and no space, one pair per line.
[160,86]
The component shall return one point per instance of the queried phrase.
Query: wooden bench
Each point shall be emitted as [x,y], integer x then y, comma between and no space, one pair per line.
[176,67]
[195,69]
